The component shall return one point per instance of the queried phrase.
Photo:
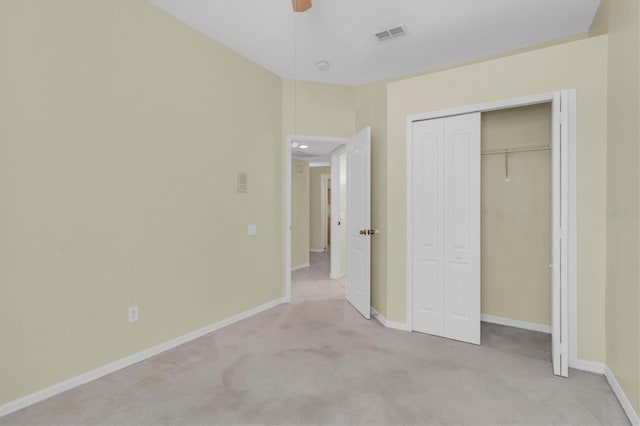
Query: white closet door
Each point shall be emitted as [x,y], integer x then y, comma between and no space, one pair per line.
[462,228]
[427,218]
[446,227]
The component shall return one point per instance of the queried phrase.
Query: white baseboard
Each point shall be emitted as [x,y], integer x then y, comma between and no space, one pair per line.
[304,265]
[316,250]
[92,375]
[387,323]
[590,366]
[516,323]
[622,397]
[337,277]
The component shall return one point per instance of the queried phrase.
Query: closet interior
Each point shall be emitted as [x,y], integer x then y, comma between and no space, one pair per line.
[516,214]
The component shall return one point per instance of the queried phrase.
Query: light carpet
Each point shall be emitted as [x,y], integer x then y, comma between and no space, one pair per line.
[322,363]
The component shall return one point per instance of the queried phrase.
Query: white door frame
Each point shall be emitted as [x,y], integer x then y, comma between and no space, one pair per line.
[336,238]
[324,211]
[287,202]
[566,194]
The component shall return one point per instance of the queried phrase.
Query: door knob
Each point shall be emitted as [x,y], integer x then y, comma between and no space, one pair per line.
[367,231]
[363,232]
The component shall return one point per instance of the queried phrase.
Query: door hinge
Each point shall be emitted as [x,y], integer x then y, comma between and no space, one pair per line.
[561,233]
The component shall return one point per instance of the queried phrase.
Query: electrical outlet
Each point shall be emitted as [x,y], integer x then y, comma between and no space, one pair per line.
[134,314]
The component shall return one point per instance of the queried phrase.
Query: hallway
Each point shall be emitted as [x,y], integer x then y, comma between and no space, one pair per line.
[313,283]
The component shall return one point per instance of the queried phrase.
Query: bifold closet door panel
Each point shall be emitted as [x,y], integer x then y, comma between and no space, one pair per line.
[462,228]
[428,226]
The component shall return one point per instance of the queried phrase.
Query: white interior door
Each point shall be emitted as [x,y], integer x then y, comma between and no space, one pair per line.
[358,288]
[446,227]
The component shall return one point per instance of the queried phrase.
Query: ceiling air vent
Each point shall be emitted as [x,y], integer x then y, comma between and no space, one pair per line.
[390,33]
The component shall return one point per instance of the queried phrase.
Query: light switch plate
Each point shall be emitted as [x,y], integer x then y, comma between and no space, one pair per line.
[252,230]
[134,313]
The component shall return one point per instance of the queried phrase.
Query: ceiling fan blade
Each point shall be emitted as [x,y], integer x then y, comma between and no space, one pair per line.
[301,5]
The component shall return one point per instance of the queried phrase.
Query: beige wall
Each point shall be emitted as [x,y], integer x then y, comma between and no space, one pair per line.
[621,19]
[299,213]
[371,110]
[315,207]
[317,109]
[121,137]
[578,65]
[516,215]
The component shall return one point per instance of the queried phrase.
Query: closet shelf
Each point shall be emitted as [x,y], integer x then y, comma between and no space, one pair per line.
[516,149]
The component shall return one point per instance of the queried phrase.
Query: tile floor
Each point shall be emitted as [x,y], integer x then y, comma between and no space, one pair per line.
[313,283]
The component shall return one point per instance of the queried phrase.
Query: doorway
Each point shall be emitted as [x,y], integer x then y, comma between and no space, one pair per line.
[466,280]
[516,235]
[316,272]
[356,164]
[516,217]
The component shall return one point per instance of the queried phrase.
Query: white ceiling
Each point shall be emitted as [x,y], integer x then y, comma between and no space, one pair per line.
[317,153]
[439,32]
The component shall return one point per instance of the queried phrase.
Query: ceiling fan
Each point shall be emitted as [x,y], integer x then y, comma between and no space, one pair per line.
[301,5]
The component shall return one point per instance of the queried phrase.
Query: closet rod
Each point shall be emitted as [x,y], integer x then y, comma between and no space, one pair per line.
[516,149]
